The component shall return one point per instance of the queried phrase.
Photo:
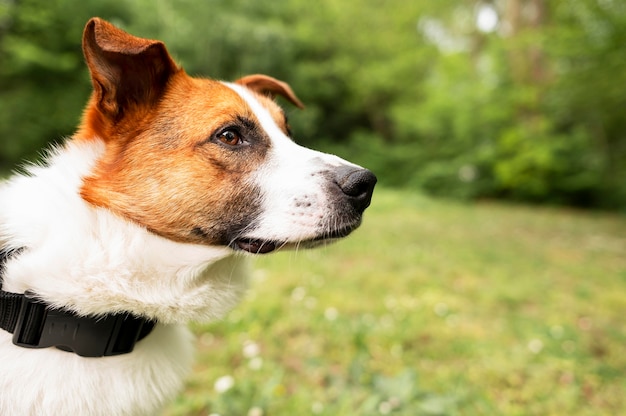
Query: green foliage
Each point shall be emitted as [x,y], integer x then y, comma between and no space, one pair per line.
[414,90]
[43,82]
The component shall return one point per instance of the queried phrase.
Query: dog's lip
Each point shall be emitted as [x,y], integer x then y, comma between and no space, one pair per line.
[263,246]
[256,246]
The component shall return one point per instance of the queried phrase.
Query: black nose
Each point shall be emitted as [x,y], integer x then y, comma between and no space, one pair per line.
[357,184]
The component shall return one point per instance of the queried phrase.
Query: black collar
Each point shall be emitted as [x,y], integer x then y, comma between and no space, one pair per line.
[34,324]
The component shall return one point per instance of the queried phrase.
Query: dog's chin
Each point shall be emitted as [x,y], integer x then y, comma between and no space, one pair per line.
[264,246]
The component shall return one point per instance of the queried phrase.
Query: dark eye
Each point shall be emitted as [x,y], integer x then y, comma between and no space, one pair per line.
[230,137]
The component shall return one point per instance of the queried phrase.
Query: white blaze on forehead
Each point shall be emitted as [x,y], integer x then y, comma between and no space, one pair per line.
[263,115]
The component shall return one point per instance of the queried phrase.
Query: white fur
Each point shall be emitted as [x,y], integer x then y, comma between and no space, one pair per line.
[93,262]
[54,382]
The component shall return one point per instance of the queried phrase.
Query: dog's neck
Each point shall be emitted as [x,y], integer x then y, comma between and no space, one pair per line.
[88,260]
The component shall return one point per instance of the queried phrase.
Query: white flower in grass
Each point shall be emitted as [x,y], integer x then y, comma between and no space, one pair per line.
[298,294]
[535,346]
[331,313]
[441,309]
[255,363]
[224,384]
[251,349]
[317,407]
[255,411]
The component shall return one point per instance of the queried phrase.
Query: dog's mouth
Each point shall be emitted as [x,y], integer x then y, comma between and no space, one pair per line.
[256,246]
[262,246]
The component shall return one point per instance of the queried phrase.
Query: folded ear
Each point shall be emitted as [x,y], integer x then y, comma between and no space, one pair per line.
[126,71]
[267,85]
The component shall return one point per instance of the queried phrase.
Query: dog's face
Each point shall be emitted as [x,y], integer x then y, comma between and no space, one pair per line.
[201,161]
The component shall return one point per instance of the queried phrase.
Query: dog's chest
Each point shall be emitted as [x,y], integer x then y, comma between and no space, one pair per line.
[60,383]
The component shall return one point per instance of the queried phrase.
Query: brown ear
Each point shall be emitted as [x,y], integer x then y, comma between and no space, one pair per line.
[125,70]
[267,85]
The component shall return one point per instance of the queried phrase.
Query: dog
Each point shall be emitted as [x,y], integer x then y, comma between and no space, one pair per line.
[143,220]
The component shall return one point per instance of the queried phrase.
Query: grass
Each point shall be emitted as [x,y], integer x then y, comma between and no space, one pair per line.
[431,308]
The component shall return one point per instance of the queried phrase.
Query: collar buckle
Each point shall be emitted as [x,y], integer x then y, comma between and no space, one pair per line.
[39,326]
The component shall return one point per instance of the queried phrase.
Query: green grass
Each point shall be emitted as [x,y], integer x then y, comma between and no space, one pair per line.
[433,308]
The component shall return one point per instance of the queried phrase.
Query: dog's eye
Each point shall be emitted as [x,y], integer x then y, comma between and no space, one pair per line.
[230,137]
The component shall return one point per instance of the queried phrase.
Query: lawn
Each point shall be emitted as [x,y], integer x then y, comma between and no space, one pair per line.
[430,308]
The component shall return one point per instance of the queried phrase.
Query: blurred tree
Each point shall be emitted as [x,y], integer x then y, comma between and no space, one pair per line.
[588,96]
[43,82]
[525,109]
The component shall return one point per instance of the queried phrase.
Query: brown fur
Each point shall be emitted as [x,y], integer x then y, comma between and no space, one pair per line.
[162,166]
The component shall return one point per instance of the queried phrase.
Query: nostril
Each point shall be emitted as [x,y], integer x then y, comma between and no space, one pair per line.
[358,184]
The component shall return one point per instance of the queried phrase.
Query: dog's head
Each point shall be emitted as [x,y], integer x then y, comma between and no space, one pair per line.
[206,162]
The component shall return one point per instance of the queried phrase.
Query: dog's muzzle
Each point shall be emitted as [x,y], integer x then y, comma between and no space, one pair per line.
[350,192]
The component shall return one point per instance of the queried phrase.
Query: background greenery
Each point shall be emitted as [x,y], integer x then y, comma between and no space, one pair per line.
[433,307]
[530,109]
